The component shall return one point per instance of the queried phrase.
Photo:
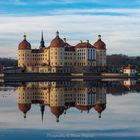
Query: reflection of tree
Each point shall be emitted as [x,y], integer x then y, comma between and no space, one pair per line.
[7,91]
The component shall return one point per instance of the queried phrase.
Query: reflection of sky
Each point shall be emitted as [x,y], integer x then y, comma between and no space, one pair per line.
[121,118]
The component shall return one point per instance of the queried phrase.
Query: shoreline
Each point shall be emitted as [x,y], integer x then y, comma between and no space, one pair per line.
[25,77]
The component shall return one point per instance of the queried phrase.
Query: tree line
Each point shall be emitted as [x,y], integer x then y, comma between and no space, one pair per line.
[8,62]
[120,60]
[115,61]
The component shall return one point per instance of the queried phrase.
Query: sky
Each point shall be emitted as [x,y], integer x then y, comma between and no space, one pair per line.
[118,21]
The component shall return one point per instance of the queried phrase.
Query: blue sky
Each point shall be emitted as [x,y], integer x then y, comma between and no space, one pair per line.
[118,21]
[51,7]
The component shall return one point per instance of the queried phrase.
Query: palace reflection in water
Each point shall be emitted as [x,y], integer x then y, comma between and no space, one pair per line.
[62,95]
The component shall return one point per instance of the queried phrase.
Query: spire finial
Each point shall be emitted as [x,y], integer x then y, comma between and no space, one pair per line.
[42,43]
[42,109]
[99,36]
[24,36]
[42,39]
[57,119]
[57,33]
[99,115]
[24,115]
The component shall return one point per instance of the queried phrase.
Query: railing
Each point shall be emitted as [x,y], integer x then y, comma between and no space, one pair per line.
[76,74]
[113,74]
[1,74]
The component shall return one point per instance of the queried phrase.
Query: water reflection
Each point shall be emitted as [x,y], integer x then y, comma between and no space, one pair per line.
[60,96]
[63,95]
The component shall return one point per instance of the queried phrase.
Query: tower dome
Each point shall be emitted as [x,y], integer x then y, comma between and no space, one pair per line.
[99,44]
[57,41]
[24,108]
[57,111]
[100,107]
[24,45]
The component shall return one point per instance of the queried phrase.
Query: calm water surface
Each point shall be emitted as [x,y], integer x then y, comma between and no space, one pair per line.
[70,110]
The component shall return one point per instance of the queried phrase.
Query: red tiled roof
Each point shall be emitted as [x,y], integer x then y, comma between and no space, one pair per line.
[100,107]
[100,45]
[83,45]
[57,110]
[24,107]
[37,50]
[129,67]
[24,45]
[83,107]
[70,48]
[57,42]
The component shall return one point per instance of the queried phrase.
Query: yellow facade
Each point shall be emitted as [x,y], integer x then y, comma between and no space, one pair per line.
[101,58]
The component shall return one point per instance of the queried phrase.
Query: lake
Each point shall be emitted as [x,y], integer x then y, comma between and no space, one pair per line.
[70,110]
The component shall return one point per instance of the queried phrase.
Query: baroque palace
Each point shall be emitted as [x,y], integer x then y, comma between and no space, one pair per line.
[60,57]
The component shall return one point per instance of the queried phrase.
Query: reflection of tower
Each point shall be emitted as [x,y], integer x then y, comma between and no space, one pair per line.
[33,93]
[57,103]
[24,102]
[100,100]
[85,99]
[42,109]
[57,111]
[24,107]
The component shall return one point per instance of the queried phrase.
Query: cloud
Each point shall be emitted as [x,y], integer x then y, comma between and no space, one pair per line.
[119,32]
[13,2]
[112,12]
[117,21]
[65,2]
[51,7]
[72,11]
